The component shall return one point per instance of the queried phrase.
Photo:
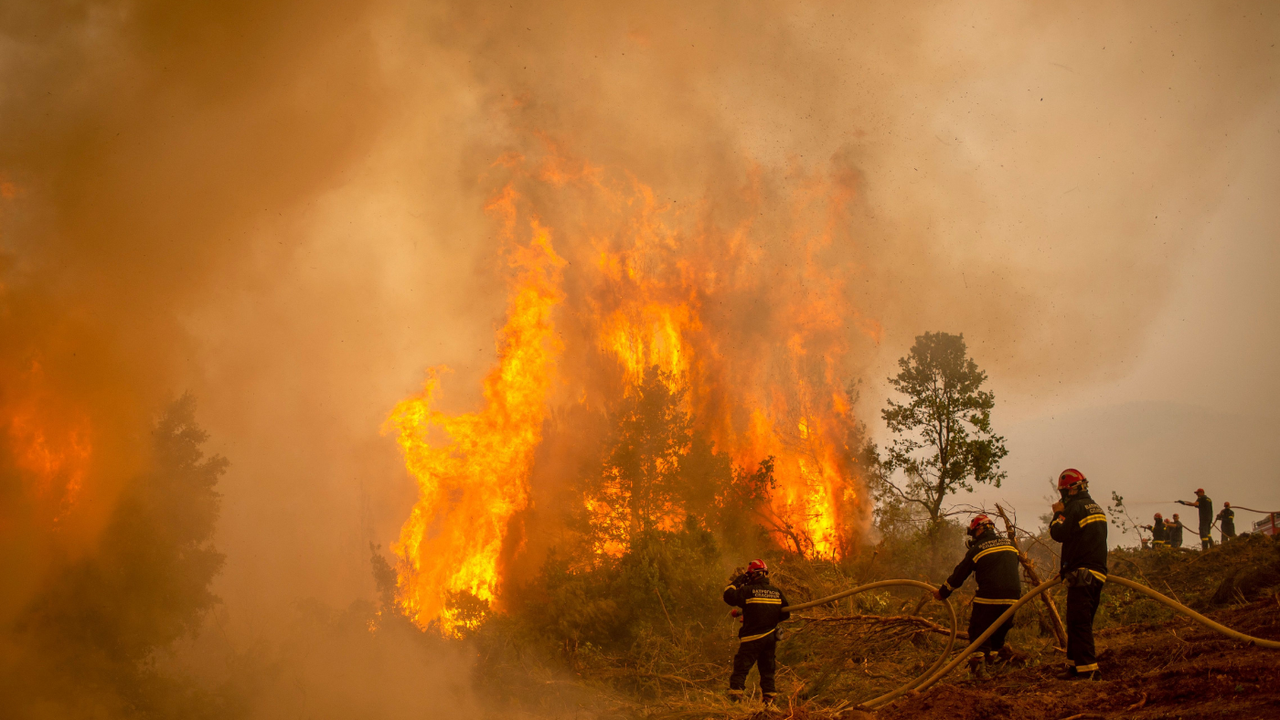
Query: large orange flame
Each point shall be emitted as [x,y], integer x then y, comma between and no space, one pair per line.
[475,477]
[753,321]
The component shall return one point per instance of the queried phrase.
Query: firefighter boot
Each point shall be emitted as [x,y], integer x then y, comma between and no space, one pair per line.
[978,665]
[1011,657]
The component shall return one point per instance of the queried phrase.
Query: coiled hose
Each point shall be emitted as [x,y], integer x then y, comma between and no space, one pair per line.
[932,675]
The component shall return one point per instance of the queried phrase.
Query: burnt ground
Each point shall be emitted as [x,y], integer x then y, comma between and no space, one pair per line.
[1173,669]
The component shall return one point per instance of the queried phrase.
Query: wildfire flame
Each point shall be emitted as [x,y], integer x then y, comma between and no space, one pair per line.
[475,479]
[49,442]
[755,327]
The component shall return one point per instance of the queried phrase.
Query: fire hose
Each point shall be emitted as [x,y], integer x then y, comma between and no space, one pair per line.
[932,675]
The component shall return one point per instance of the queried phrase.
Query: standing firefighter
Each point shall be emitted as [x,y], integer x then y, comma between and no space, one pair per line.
[760,605]
[993,560]
[1080,525]
[1158,532]
[1173,530]
[1227,522]
[1205,505]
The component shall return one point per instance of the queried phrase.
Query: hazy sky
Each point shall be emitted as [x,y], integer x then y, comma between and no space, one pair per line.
[280,207]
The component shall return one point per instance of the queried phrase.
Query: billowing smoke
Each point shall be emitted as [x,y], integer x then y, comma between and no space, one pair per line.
[280,207]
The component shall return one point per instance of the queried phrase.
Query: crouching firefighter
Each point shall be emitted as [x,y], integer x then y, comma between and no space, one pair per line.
[760,606]
[1080,525]
[993,560]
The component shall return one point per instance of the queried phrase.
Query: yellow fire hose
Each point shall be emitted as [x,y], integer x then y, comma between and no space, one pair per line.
[930,676]
[877,701]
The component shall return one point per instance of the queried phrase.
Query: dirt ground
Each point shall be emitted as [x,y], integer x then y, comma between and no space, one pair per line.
[1175,669]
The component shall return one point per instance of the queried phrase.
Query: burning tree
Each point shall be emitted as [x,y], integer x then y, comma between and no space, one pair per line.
[944,442]
[708,338]
[639,486]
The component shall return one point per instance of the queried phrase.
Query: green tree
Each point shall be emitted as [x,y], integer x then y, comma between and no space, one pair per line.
[91,637]
[943,439]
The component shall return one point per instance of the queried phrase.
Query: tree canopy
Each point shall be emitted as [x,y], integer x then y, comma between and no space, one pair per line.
[943,441]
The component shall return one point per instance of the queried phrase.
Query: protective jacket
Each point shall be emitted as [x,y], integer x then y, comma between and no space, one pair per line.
[1205,505]
[1081,527]
[761,605]
[1158,533]
[993,560]
[1227,521]
[1174,532]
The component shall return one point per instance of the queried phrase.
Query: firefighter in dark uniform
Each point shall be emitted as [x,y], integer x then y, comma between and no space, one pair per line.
[1158,532]
[1173,528]
[1227,522]
[1080,524]
[1205,505]
[760,606]
[993,560]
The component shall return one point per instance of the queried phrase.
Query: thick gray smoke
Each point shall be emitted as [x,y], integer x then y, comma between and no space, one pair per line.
[279,207]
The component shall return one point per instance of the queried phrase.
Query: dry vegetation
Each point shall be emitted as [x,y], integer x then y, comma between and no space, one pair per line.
[1157,665]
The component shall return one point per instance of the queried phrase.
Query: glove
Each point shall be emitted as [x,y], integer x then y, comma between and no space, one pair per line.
[942,593]
[735,613]
[739,574]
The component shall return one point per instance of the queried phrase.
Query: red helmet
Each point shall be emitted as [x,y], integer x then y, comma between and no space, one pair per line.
[1175,516]
[1199,491]
[1069,477]
[1159,516]
[756,566]
[979,522]
[1226,504]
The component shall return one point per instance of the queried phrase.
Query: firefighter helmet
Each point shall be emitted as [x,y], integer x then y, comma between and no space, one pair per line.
[978,522]
[1199,491]
[757,566]
[1070,477]
[1159,516]
[1226,504]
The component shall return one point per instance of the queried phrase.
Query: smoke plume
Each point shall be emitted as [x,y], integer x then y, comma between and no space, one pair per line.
[281,207]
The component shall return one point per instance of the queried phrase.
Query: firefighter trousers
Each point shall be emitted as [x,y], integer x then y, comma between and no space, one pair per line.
[1206,536]
[1082,605]
[756,652]
[981,618]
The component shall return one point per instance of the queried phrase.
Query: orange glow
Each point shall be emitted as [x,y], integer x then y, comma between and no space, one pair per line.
[755,326]
[49,441]
[474,478]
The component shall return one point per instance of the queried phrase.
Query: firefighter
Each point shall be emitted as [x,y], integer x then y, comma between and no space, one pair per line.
[1227,522]
[1080,525]
[1205,506]
[1173,530]
[993,560]
[759,606]
[1158,533]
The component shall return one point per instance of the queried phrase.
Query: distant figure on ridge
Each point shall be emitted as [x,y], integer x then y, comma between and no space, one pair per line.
[1206,517]
[1173,529]
[993,560]
[1158,532]
[1227,522]
[1080,524]
[760,606]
